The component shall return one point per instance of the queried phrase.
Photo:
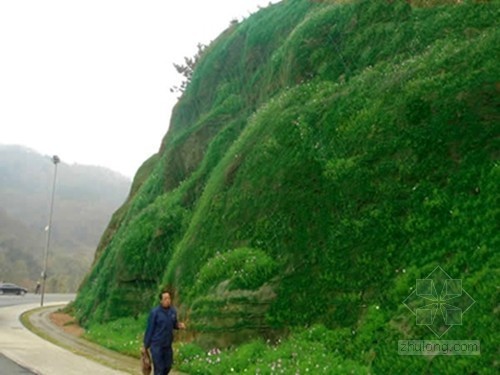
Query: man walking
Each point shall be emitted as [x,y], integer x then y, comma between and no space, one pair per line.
[160,333]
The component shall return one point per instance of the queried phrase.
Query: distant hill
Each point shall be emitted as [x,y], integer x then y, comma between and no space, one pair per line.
[85,199]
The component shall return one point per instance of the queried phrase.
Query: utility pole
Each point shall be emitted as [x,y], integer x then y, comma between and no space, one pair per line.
[55,160]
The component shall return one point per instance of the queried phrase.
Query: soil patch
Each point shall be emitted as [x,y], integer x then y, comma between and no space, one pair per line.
[67,323]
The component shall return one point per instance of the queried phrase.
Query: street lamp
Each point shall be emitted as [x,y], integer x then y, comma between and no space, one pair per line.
[55,160]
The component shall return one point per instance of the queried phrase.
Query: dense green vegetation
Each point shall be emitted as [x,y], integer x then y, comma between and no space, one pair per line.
[324,156]
[85,199]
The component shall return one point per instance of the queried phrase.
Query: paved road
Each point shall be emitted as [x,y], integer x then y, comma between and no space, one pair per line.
[30,298]
[8,367]
[34,355]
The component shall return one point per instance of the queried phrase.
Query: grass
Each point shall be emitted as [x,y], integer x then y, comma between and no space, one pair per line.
[320,149]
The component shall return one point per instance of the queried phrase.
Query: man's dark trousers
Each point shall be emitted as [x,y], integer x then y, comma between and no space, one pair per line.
[162,359]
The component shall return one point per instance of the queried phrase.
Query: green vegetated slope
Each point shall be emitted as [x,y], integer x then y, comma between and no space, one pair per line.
[324,157]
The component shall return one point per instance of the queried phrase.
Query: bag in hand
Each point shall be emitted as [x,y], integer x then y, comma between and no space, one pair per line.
[145,362]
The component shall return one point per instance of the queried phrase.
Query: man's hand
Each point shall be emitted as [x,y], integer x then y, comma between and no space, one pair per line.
[181,325]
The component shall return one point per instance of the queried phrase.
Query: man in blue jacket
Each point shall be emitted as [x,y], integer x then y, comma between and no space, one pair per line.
[160,333]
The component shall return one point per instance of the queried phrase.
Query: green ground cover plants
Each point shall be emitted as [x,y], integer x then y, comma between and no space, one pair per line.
[324,157]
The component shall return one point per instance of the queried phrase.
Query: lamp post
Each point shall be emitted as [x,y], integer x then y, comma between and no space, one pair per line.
[55,160]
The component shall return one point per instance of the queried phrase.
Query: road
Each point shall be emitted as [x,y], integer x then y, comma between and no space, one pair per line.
[30,298]
[7,366]
[23,352]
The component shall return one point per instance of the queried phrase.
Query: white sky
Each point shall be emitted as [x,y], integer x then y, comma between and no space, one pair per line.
[88,80]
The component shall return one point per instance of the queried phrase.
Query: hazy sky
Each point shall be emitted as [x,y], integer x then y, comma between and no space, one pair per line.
[89,80]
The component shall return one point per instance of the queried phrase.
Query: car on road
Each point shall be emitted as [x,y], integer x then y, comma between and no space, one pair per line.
[9,288]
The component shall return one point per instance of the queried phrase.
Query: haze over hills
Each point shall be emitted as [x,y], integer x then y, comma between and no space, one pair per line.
[324,156]
[85,198]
